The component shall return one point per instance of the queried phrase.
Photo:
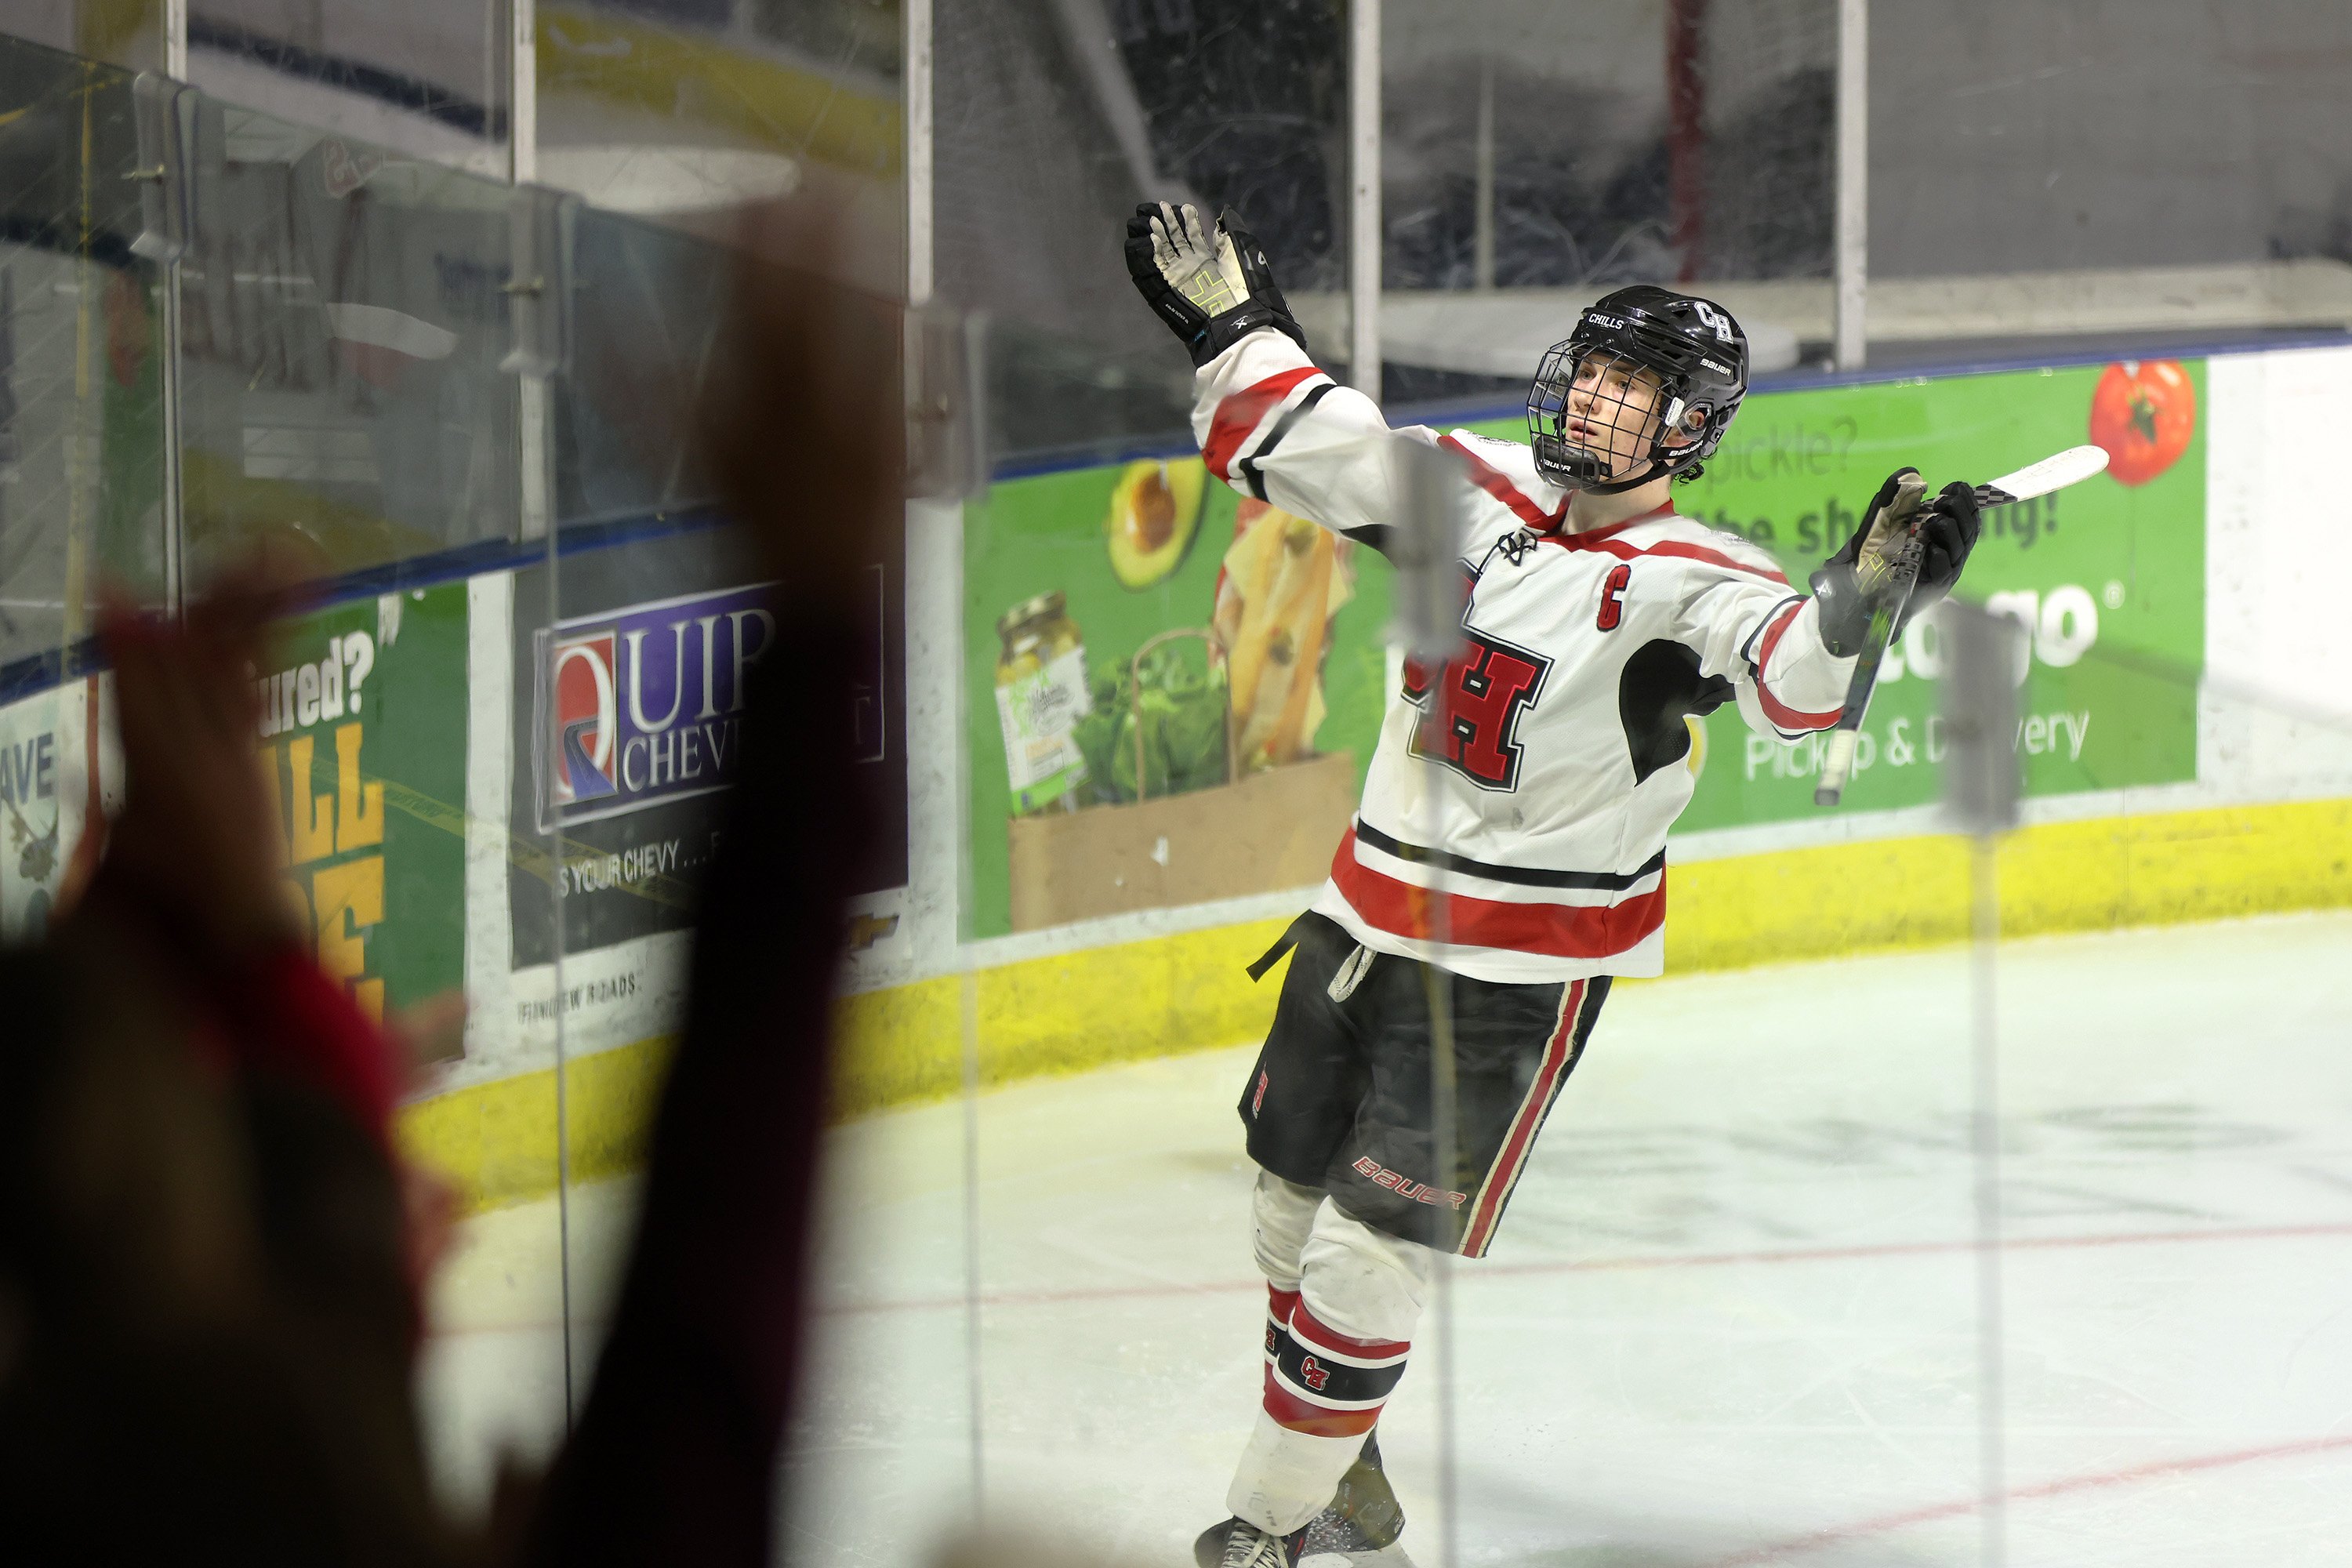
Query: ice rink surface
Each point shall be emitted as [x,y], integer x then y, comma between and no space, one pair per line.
[1732,1314]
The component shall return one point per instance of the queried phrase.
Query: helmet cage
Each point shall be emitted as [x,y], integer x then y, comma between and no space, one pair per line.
[1699,393]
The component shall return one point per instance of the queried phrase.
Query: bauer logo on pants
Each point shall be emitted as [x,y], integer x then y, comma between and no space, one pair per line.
[643,705]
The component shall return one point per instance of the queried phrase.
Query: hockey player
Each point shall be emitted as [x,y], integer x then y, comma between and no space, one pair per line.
[1597,619]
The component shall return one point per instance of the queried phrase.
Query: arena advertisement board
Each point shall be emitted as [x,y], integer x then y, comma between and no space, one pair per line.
[49,751]
[1172,693]
[643,705]
[1160,678]
[605,704]
[32,847]
[626,723]
[362,737]
[2108,577]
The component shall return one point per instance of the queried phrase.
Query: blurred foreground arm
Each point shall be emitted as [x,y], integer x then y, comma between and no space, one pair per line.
[206,1272]
[675,1455]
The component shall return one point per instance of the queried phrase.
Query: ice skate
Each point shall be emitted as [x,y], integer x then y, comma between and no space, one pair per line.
[1364,1520]
[1236,1544]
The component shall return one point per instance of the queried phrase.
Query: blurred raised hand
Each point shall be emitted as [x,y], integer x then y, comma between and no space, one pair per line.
[197,833]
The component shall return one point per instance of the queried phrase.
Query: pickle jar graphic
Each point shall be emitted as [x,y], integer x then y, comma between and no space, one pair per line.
[1040,695]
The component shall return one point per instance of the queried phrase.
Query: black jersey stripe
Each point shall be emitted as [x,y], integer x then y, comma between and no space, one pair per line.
[1747,648]
[1290,416]
[1521,876]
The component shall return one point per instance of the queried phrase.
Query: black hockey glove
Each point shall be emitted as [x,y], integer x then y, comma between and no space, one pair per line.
[1948,530]
[1850,582]
[1211,289]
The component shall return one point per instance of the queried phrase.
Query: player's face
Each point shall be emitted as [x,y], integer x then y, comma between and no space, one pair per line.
[1613,408]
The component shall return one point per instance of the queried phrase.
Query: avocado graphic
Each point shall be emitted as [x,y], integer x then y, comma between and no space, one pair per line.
[1155,512]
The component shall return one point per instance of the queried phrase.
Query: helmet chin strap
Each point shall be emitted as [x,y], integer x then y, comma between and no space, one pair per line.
[1654,470]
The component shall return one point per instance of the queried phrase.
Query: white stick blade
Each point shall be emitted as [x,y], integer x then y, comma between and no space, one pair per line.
[2070,467]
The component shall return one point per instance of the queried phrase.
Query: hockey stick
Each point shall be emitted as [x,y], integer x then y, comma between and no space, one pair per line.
[2052,473]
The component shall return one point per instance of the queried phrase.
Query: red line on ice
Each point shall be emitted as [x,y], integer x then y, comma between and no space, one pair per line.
[1613,1265]
[2094,1480]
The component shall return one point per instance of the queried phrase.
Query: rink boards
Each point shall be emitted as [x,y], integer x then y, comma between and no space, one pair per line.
[2252,820]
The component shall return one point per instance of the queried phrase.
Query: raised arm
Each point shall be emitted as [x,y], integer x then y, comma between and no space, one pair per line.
[1269,422]
[1273,426]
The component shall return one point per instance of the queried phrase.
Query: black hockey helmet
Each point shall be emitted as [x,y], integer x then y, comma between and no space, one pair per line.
[1693,346]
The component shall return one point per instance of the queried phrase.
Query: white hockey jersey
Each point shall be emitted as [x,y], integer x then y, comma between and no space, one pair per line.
[1559,731]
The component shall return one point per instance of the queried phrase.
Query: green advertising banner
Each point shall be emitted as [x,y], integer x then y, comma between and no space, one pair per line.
[2115,564]
[1068,578]
[364,739]
[1102,626]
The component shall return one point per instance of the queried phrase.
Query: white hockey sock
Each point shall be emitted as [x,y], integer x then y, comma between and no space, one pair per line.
[1342,1300]
[1281,1214]
[1287,1477]
[1324,1391]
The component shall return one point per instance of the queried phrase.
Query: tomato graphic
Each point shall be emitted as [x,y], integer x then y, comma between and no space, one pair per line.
[2143,412]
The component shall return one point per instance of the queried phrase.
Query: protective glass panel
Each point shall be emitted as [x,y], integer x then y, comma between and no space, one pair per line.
[346,419]
[1141,829]
[82,461]
[682,111]
[128,35]
[2167,1002]
[1055,121]
[2182,185]
[499,1385]
[1534,159]
[343,323]
[432,82]
[664,608]
[655,615]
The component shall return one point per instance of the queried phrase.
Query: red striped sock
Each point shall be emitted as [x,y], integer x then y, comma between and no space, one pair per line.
[1324,1383]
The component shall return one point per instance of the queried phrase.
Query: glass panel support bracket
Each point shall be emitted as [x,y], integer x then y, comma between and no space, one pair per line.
[1983,667]
[946,447]
[1431,580]
[538,285]
[1986,661]
[163,111]
[539,291]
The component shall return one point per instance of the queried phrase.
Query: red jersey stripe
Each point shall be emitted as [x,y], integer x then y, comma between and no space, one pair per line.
[1779,713]
[1307,1328]
[1242,413]
[1556,931]
[1585,538]
[1623,551]
[1496,483]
